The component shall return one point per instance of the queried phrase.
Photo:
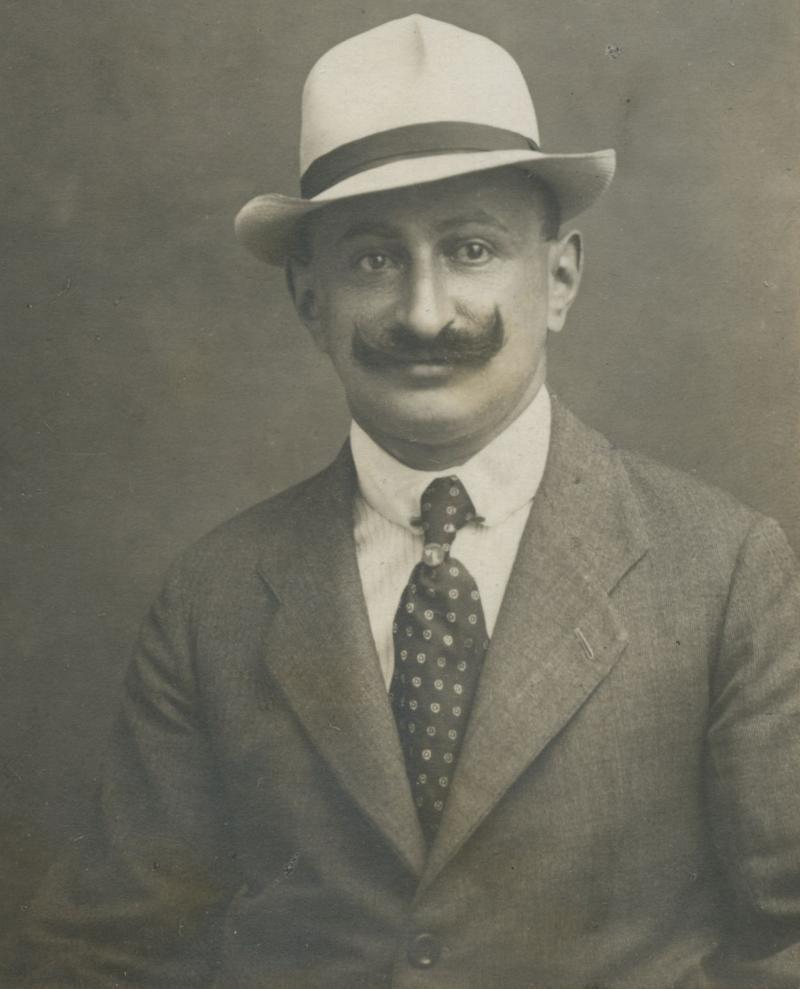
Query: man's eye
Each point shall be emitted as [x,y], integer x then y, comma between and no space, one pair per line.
[374,261]
[473,252]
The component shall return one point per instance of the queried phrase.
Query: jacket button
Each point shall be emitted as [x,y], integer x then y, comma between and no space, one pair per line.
[423,951]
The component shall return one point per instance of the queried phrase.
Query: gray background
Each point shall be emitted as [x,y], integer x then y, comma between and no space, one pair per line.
[154,380]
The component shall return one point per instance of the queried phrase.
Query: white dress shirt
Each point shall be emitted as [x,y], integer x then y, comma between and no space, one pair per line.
[501,479]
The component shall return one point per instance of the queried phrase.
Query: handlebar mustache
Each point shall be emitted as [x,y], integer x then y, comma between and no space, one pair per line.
[399,346]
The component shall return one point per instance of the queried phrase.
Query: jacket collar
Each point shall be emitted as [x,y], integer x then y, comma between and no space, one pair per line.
[557,636]
[320,651]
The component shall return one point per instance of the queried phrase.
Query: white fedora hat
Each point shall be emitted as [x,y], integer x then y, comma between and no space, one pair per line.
[414,100]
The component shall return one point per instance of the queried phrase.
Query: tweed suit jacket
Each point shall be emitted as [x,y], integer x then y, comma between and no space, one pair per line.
[625,811]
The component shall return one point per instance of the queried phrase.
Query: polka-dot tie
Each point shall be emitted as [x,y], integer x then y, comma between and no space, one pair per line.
[439,643]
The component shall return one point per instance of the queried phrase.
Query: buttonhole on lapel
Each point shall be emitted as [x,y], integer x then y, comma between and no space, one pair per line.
[584,643]
[288,870]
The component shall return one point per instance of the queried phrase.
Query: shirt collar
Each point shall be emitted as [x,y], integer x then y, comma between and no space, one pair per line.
[500,478]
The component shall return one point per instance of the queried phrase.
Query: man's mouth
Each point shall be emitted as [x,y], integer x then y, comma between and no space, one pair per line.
[374,357]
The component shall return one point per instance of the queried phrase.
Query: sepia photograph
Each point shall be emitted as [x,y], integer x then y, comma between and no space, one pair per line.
[400,467]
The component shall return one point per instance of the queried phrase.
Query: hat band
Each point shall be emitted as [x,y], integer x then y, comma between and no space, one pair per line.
[439,137]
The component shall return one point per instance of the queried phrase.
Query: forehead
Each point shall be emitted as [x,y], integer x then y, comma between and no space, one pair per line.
[508,200]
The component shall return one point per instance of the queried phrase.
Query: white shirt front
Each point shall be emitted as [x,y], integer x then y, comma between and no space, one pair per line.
[501,479]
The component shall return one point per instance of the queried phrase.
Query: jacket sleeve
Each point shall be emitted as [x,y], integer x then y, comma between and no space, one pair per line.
[138,902]
[754,766]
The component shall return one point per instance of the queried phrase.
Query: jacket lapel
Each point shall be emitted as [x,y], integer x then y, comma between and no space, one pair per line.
[557,635]
[321,653]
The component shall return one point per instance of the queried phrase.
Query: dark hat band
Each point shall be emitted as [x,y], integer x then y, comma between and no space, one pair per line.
[438,137]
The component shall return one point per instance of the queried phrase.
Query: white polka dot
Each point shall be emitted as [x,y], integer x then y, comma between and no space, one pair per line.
[438,805]
[413,588]
[447,639]
[452,734]
[394,628]
[450,510]
[410,607]
[443,781]
[413,705]
[451,616]
[457,688]
[452,593]
[404,654]
[461,666]
[448,757]
[435,708]
[449,527]
[409,630]
[431,730]
[457,711]
[439,684]
[441,662]
[416,681]
[454,492]
[454,571]
[426,754]
[474,595]
[427,634]
[472,619]
[421,657]
[428,614]
[412,727]
[422,778]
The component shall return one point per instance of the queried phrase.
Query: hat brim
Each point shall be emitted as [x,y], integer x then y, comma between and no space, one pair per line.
[265,224]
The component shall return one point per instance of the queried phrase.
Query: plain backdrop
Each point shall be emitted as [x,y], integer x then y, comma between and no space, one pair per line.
[154,380]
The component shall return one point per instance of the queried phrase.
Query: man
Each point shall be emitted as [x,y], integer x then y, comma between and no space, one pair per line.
[487,702]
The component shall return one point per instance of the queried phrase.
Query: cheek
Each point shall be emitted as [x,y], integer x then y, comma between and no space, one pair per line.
[524,315]
[335,322]
[344,310]
[524,312]
[519,291]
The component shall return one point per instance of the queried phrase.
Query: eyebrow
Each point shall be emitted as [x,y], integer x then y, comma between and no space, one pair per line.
[371,228]
[477,216]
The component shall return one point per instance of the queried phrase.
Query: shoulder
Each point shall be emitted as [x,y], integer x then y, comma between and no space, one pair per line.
[684,521]
[711,545]
[674,503]
[228,556]
[708,528]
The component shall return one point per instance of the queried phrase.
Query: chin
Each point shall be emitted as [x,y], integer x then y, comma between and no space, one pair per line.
[433,426]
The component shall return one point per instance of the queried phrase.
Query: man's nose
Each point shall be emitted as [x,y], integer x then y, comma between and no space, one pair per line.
[427,302]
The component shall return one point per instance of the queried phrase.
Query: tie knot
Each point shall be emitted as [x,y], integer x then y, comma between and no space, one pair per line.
[445,508]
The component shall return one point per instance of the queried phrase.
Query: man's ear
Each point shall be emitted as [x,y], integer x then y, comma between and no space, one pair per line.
[564,275]
[299,281]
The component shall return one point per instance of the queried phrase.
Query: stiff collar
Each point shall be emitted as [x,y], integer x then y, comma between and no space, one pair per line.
[500,478]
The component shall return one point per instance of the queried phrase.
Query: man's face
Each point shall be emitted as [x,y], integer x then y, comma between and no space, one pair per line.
[433,304]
